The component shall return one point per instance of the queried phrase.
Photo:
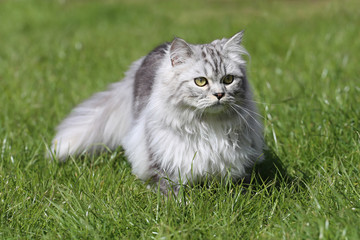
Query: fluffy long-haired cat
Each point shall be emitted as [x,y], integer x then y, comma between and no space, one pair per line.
[182,113]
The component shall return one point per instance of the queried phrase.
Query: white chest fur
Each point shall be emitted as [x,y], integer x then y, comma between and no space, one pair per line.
[188,151]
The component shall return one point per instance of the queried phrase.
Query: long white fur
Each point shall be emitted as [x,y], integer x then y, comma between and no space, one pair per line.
[188,148]
[100,122]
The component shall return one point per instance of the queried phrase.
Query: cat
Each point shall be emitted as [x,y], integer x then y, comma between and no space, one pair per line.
[182,113]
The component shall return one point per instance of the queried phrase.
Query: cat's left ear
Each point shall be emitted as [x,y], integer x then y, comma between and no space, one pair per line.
[234,41]
[179,51]
[234,49]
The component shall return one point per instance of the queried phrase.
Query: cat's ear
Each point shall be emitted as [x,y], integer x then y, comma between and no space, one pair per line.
[234,41]
[233,47]
[179,51]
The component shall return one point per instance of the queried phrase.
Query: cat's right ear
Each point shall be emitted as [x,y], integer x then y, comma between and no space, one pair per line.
[179,51]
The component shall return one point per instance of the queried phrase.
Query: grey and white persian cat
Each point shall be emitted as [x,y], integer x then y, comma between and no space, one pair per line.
[182,113]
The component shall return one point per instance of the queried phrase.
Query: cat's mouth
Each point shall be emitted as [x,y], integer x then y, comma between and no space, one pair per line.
[216,107]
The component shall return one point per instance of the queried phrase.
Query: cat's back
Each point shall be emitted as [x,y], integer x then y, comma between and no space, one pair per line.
[145,76]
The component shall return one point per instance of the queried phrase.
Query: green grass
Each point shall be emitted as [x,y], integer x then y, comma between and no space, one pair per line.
[305,72]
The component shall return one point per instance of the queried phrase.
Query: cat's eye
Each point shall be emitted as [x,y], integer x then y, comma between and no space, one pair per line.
[200,81]
[228,79]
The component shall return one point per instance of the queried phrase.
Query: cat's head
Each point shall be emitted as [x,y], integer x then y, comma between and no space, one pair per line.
[210,77]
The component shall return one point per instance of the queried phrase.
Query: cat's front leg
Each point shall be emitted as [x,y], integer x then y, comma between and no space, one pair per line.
[166,186]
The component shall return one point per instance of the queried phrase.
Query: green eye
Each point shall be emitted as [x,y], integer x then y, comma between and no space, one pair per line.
[228,79]
[200,81]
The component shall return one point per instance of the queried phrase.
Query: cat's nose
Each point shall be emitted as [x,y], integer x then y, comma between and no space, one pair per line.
[219,95]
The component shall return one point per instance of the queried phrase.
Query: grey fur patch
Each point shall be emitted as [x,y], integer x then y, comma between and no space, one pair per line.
[244,82]
[213,58]
[145,76]
[203,54]
[165,185]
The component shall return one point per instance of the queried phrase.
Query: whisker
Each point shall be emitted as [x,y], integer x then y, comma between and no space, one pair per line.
[250,100]
[243,118]
[249,113]
[233,101]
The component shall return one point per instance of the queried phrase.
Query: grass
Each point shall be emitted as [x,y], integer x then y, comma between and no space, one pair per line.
[305,73]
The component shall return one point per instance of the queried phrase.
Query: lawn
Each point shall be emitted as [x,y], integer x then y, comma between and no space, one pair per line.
[304,69]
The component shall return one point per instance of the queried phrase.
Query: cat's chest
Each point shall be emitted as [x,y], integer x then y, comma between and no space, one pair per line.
[198,151]
[212,152]
[204,143]
[215,144]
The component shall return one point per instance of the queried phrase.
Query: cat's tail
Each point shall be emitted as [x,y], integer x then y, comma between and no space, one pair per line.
[98,123]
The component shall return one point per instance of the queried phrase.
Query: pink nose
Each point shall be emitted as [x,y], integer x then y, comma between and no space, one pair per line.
[219,95]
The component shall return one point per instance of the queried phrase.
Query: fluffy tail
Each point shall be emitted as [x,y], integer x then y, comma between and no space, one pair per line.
[99,122]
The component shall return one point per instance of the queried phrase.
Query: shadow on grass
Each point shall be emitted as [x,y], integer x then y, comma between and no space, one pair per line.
[265,175]
[272,171]
[270,176]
